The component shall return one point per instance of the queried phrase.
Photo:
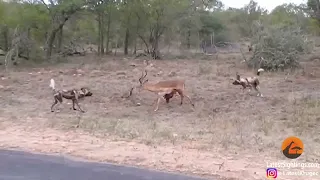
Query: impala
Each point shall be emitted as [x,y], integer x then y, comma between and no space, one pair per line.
[164,89]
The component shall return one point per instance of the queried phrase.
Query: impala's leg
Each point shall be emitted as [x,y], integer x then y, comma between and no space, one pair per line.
[189,99]
[157,105]
[160,96]
[182,95]
[154,102]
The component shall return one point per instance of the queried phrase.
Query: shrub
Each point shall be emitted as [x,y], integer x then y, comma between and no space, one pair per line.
[277,47]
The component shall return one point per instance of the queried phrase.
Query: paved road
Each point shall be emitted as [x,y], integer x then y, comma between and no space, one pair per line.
[17,165]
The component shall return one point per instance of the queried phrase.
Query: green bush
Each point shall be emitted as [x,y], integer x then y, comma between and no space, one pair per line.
[277,47]
[222,37]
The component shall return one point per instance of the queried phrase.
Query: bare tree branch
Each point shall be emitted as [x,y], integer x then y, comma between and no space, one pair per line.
[44,3]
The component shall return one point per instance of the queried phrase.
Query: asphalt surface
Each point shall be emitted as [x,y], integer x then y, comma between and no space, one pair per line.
[18,165]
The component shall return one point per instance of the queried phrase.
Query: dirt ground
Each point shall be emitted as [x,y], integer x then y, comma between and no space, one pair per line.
[229,134]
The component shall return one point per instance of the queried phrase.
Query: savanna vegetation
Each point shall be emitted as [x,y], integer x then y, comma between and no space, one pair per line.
[38,30]
[101,44]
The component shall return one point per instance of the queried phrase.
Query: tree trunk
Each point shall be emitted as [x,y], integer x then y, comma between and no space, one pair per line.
[102,43]
[155,42]
[188,39]
[108,33]
[60,38]
[126,41]
[52,36]
[115,51]
[135,46]
[5,38]
[155,50]
[136,38]
[29,37]
[155,46]
[50,42]
[145,43]
[101,34]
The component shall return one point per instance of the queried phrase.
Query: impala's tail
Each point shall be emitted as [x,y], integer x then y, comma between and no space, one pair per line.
[52,84]
[259,71]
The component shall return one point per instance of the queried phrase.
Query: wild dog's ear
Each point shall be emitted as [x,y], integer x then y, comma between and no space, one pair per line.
[238,77]
[84,90]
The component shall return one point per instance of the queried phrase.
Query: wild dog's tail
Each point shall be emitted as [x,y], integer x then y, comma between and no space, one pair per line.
[52,84]
[259,71]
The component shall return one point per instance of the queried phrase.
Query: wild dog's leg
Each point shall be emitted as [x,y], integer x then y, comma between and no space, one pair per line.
[74,101]
[54,103]
[244,86]
[250,87]
[256,87]
[57,98]
[258,90]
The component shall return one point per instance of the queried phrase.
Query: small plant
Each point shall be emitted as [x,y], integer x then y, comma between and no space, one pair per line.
[204,69]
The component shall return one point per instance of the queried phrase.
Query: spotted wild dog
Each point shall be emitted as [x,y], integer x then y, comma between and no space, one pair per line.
[249,82]
[73,94]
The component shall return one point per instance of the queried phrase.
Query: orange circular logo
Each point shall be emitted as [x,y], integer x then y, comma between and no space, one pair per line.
[292,147]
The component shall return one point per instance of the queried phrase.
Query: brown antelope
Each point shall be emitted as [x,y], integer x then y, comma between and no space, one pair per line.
[164,89]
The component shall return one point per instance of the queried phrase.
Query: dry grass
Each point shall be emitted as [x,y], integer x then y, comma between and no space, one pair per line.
[223,135]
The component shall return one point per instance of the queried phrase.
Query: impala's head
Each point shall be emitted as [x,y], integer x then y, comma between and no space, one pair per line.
[142,82]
